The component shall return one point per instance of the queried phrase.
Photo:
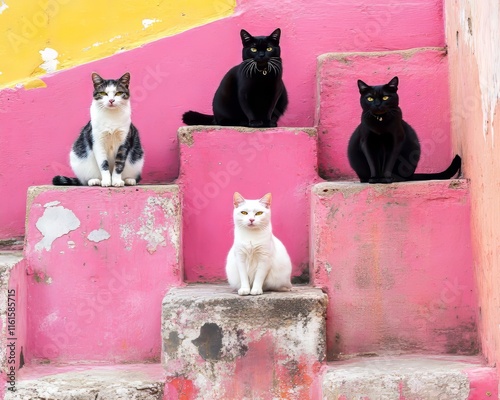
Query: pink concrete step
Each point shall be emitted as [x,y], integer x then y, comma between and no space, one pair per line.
[218,345]
[423,97]
[410,378]
[99,261]
[89,382]
[12,317]
[396,263]
[215,162]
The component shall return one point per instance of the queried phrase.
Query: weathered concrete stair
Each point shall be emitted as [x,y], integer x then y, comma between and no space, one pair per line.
[99,261]
[84,382]
[218,345]
[410,378]
[215,162]
[396,263]
[423,97]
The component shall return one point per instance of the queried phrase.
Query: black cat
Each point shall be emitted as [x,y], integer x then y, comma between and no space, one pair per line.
[384,148]
[252,93]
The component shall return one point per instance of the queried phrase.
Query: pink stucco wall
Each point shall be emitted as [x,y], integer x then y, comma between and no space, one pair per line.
[172,75]
[473,32]
[423,84]
[396,263]
[99,262]
[217,162]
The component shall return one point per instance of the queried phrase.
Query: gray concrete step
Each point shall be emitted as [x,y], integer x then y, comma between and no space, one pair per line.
[410,378]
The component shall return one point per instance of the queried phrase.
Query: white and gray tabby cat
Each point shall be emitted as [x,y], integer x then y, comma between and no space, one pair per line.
[257,261]
[108,150]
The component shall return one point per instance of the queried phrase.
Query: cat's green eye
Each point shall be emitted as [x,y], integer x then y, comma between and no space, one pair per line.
[369,98]
[269,49]
[118,93]
[244,213]
[253,50]
[385,98]
[259,213]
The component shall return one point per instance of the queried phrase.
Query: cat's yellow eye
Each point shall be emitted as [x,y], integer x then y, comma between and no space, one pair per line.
[244,213]
[259,213]
[385,98]
[118,93]
[253,49]
[103,93]
[369,98]
[269,49]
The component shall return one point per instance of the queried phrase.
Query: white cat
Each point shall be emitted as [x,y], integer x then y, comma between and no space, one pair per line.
[108,150]
[257,261]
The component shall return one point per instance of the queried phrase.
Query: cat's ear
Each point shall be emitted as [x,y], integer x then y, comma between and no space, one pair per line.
[237,199]
[125,79]
[245,37]
[276,35]
[363,87]
[266,200]
[96,79]
[393,84]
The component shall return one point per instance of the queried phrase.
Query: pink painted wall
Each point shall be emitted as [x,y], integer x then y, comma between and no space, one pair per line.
[172,75]
[215,163]
[396,263]
[423,85]
[99,262]
[473,30]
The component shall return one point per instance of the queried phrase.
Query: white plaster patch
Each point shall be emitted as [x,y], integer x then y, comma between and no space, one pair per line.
[71,244]
[98,235]
[52,203]
[152,232]
[3,7]
[54,223]
[481,30]
[146,23]
[49,57]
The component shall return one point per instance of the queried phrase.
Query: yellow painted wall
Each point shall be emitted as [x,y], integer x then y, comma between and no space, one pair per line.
[85,30]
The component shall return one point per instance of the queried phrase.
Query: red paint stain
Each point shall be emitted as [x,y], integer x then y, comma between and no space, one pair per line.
[179,388]
[401,396]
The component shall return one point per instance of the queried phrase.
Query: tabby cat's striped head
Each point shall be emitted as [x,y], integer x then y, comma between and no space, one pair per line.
[111,93]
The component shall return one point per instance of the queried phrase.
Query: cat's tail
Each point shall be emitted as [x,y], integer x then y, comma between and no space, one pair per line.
[65,181]
[448,173]
[196,118]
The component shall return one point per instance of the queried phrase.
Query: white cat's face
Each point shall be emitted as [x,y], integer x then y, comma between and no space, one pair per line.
[252,214]
[110,93]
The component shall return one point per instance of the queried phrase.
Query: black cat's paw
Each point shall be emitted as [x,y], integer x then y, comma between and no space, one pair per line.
[273,124]
[255,124]
[380,180]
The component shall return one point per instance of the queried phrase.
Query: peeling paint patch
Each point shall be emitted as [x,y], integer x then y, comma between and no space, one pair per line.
[49,57]
[54,223]
[3,7]
[98,235]
[146,23]
[52,204]
[71,244]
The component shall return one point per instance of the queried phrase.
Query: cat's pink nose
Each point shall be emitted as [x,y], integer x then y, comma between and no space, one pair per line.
[111,101]
[251,221]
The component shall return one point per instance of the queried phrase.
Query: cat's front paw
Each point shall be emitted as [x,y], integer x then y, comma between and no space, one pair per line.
[118,182]
[105,182]
[256,291]
[130,182]
[244,291]
[94,182]
[255,124]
